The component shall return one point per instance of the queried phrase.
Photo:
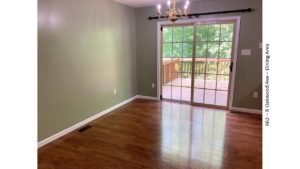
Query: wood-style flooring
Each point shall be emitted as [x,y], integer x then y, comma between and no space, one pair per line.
[160,135]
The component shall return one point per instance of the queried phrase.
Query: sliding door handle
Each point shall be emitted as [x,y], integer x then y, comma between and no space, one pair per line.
[231,66]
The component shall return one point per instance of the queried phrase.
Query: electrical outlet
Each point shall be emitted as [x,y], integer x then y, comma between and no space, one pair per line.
[260,45]
[255,94]
[153,85]
[115,91]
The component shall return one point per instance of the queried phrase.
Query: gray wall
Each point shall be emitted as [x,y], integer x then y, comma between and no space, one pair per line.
[249,68]
[86,48]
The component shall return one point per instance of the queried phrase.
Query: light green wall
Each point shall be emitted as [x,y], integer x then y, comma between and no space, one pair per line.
[86,48]
[249,68]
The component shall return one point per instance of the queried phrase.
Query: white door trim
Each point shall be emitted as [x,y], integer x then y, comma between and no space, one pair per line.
[235,52]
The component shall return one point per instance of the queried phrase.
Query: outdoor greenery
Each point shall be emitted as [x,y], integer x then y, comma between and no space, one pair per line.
[212,41]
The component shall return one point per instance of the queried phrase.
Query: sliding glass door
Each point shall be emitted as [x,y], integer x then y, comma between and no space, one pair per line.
[196,62]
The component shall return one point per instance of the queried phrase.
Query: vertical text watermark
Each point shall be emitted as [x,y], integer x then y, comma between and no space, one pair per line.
[267,85]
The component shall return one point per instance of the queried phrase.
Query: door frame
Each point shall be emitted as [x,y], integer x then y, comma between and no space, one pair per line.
[237,20]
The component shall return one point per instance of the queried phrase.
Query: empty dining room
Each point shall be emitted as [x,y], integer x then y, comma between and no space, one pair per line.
[152,84]
[149,84]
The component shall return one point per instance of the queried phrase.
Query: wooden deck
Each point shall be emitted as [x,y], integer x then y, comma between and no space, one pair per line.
[184,92]
[160,135]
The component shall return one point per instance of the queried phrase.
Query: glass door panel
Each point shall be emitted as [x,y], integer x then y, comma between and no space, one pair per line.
[212,60]
[177,62]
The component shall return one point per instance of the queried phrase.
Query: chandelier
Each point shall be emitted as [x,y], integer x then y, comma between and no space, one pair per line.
[172,12]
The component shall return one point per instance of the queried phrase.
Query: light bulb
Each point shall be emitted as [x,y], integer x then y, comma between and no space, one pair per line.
[187,3]
[158,7]
[169,2]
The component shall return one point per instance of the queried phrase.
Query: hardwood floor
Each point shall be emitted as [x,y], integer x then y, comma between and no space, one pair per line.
[160,135]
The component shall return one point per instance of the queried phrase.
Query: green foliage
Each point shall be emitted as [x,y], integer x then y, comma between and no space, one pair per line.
[188,34]
[226,32]
[213,32]
[182,38]
[201,34]
[187,50]
[213,41]
[167,50]
[177,34]
[213,49]
[177,50]
[167,34]
[225,50]
[201,49]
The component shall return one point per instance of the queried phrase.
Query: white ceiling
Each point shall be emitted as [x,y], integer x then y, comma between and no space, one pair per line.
[142,3]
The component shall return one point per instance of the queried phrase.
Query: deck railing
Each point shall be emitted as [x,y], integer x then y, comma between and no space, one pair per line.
[170,67]
[174,67]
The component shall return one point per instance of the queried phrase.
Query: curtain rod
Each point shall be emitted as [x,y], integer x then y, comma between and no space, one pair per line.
[206,13]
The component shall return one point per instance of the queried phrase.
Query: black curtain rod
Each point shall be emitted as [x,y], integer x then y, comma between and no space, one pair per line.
[206,13]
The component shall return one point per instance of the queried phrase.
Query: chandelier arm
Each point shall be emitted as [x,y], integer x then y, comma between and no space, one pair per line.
[180,13]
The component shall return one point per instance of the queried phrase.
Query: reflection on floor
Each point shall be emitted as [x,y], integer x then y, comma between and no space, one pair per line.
[208,96]
[193,135]
[160,135]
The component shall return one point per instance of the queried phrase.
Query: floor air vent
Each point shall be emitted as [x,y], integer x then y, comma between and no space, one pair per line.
[85,128]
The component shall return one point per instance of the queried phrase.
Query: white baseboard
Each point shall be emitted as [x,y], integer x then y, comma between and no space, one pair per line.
[245,110]
[238,109]
[82,123]
[146,97]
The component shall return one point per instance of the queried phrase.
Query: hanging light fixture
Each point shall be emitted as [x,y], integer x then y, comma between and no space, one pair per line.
[172,12]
